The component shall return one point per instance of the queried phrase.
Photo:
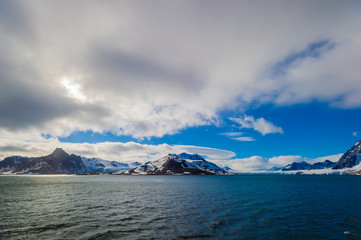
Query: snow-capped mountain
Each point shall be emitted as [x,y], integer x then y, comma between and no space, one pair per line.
[183,163]
[297,166]
[351,158]
[60,162]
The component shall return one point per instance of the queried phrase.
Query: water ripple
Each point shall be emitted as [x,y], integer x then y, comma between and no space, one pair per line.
[180,207]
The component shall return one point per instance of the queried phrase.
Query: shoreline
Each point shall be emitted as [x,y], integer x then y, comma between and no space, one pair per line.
[236,174]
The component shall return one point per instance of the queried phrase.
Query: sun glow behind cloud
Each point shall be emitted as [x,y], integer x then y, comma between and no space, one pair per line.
[72,88]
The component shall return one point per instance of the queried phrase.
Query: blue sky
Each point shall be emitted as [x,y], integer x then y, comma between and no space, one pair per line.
[311,130]
[247,84]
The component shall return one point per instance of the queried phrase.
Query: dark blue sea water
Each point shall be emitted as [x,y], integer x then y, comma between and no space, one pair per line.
[180,207]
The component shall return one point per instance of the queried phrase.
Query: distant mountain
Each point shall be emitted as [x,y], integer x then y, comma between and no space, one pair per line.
[183,163]
[297,166]
[351,158]
[60,162]
[274,169]
[323,165]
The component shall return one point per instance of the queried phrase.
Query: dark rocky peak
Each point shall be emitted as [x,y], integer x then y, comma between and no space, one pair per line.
[350,158]
[356,149]
[59,153]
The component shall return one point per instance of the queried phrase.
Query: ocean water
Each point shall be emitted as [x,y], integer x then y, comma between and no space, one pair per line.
[180,207]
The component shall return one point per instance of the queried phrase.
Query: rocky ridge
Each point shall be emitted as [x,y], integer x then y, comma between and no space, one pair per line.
[60,162]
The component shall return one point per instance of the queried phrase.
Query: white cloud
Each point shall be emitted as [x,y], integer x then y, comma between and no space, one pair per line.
[280,161]
[238,136]
[261,125]
[355,134]
[232,134]
[150,68]
[244,139]
[245,164]
[210,153]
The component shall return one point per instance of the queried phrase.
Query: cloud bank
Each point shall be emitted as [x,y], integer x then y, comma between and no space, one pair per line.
[150,68]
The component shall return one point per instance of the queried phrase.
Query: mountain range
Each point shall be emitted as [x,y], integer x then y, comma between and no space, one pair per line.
[349,161]
[306,166]
[60,162]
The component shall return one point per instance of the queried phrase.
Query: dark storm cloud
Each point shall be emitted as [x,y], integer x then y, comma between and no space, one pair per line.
[27,96]
[11,148]
[14,21]
[119,68]
[25,101]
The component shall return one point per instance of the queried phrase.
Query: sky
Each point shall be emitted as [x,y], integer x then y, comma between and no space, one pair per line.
[246,84]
